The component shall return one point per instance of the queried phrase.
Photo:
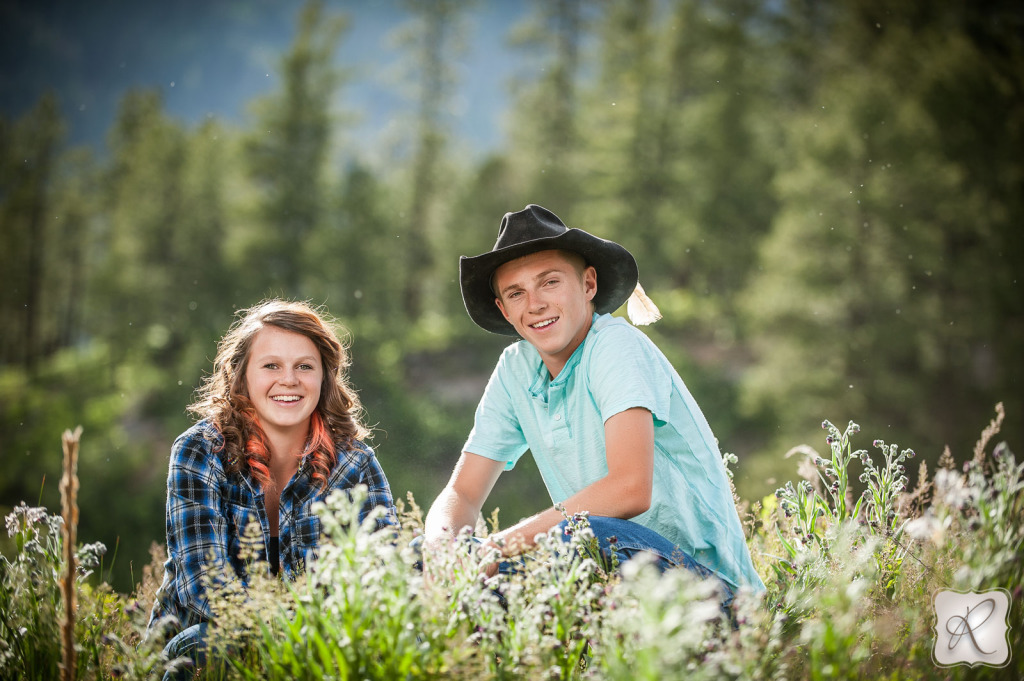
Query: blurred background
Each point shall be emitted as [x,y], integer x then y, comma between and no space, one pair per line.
[825,199]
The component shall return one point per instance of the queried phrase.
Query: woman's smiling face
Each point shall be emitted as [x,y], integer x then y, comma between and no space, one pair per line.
[283,377]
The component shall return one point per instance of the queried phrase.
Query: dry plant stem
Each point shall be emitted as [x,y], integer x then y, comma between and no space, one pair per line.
[69,507]
[987,434]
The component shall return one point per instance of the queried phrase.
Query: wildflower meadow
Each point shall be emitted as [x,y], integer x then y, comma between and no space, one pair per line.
[850,576]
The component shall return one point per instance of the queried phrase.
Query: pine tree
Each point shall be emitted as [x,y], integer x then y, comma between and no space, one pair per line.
[432,41]
[135,287]
[77,206]
[30,149]
[879,290]
[546,136]
[678,155]
[287,155]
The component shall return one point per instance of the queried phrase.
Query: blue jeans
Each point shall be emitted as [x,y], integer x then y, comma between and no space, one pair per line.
[626,539]
[189,643]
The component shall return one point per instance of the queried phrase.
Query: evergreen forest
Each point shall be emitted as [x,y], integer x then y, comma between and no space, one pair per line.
[826,201]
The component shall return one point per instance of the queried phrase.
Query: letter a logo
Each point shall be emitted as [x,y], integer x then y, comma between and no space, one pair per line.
[971,628]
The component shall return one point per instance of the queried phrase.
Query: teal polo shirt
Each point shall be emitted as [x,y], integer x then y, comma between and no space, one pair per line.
[561,422]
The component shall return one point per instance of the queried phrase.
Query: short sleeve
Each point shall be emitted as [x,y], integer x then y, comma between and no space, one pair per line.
[496,433]
[626,370]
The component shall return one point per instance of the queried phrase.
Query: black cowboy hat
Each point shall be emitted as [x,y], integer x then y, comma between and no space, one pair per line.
[537,229]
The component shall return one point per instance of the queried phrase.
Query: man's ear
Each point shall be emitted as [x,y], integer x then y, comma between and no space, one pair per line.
[590,282]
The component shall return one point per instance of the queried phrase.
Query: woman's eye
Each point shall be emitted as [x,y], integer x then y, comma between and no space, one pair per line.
[306,367]
[270,365]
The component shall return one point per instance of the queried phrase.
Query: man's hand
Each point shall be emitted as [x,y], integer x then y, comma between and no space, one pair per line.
[490,569]
[459,503]
[624,493]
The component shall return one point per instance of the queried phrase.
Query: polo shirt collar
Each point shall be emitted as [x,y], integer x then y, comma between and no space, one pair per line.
[543,381]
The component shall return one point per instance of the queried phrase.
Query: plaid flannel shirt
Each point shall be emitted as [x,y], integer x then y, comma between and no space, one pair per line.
[209,509]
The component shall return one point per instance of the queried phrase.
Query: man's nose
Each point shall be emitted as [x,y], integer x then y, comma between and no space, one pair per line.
[535,302]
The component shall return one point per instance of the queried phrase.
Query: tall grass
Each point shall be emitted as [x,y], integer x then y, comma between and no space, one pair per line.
[850,587]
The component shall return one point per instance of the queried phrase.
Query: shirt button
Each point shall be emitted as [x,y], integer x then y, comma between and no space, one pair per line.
[558,417]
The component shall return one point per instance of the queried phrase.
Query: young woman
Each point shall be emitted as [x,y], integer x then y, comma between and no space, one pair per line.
[279,430]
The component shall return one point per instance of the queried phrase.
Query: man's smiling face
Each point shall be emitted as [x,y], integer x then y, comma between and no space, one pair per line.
[547,297]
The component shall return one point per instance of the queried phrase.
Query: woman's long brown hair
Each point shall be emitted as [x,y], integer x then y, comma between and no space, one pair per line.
[223,398]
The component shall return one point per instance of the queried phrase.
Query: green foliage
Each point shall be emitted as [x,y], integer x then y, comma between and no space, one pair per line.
[820,502]
[28,166]
[547,129]
[819,195]
[31,602]
[364,610]
[30,594]
[89,387]
[431,41]
[678,103]
[286,156]
[868,292]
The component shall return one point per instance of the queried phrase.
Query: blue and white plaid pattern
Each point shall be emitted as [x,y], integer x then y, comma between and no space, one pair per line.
[209,509]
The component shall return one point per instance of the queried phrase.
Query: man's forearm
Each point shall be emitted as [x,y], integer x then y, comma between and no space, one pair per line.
[606,497]
[447,515]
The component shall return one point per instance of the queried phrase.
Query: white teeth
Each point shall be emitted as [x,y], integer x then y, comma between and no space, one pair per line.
[541,325]
[286,398]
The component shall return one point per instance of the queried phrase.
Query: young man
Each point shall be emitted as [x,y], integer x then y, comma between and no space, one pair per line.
[610,423]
